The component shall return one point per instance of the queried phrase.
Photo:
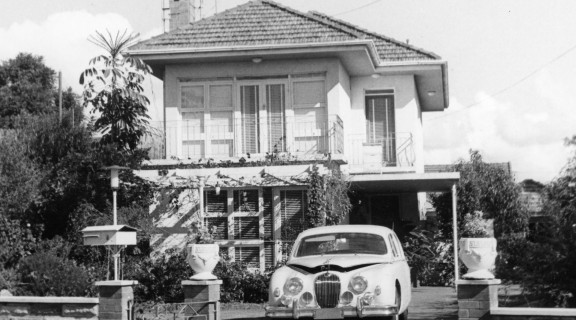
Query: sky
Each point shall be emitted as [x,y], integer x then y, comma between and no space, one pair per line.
[511,63]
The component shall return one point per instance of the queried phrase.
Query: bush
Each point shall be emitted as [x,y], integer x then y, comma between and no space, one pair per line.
[44,274]
[241,285]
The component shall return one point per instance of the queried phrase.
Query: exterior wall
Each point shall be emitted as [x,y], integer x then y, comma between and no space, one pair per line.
[408,118]
[331,68]
[54,308]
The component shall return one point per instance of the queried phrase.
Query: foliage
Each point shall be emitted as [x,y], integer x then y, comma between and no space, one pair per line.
[26,86]
[16,242]
[45,274]
[328,201]
[20,177]
[487,188]
[113,87]
[475,226]
[200,234]
[430,257]
[241,285]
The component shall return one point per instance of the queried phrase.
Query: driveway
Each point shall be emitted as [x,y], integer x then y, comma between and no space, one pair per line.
[429,303]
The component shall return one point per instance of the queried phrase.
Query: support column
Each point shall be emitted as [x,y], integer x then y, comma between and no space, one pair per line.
[116,299]
[200,292]
[476,297]
[455,232]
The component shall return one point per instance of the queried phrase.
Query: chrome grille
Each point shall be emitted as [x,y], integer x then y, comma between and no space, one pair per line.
[327,287]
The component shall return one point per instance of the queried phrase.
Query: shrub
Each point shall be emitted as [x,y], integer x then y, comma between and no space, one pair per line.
[44,274]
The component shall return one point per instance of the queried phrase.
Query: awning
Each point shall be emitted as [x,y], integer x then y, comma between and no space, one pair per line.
[405,182]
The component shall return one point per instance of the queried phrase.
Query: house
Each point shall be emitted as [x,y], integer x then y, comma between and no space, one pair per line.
[261,85]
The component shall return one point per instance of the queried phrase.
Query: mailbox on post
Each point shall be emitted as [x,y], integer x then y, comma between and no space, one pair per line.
[110,235]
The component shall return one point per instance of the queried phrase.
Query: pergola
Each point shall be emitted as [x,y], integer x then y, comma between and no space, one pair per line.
[415,182]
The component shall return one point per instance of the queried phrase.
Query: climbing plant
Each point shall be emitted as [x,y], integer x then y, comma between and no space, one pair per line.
[328,201]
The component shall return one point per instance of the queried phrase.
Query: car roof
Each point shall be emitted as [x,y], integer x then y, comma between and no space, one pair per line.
[361,228]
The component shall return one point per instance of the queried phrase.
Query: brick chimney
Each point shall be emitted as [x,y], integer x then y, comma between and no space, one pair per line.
[181,13]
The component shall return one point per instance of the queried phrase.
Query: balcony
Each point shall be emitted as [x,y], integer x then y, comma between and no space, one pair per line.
[227,137]
[392,153]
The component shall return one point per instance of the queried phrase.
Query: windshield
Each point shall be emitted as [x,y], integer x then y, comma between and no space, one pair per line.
[341,243]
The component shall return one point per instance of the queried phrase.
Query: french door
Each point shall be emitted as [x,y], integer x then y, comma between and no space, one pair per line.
[380,125]
[263,117]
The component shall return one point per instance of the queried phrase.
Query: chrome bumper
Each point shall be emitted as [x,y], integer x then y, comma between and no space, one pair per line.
[330,313]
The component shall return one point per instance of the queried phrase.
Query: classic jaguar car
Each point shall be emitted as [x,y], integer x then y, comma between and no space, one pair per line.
[344,271]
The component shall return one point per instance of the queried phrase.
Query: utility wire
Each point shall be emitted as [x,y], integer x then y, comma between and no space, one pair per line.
[358,8]
[518,82]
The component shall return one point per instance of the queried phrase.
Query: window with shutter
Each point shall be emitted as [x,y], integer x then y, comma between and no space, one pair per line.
[293,207]
[246,228]
[246,201]
[221,227]
[380,122]
[214,203]
[249,256]
[267,208]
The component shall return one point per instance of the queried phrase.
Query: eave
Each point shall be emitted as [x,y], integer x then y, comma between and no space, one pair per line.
[359,57]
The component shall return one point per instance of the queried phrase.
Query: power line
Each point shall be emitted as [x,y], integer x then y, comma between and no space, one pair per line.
[516,83]
[358,8]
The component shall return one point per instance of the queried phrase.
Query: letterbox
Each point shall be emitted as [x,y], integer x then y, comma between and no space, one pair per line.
[110,235]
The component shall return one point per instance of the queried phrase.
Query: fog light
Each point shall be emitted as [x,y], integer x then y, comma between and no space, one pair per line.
[367,299]
[277,292]
[306,298]
[286,300]
[346,297]
[378,290]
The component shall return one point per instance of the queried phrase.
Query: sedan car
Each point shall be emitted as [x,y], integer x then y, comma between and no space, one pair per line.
[344,271]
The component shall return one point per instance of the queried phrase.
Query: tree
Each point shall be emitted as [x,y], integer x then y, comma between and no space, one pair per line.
[26,85]
[113,87]
[487,188]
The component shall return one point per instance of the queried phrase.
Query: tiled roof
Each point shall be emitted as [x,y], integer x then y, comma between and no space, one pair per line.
[263,22]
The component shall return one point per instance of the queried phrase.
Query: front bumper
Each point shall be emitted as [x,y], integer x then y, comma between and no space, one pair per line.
[330,313]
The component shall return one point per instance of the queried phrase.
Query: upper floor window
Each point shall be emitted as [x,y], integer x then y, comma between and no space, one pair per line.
[381,122]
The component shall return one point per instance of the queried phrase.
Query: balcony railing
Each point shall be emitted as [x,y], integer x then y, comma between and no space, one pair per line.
[236,137]
[395,150]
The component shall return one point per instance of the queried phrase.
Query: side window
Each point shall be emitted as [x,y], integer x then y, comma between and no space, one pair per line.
[400,250]
[393,245]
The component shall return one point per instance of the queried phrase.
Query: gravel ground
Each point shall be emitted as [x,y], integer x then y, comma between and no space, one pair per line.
[430,303]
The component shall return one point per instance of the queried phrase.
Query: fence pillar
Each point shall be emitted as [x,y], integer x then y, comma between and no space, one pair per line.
[200,292]
[476,297]
[116,299]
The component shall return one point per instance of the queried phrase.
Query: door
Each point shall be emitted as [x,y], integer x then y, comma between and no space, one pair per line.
[380,125]
[263,118]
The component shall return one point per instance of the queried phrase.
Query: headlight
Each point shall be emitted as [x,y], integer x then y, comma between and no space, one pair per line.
[358,284]
[293,286]
[306,298]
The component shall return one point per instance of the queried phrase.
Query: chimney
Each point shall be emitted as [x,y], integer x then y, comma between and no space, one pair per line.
[181,13]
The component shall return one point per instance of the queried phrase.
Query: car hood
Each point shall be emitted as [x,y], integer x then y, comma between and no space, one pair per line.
[344,261]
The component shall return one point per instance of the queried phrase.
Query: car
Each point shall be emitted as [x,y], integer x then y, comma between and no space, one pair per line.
[344,271]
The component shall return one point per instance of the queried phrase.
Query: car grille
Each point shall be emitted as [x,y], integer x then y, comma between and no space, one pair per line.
[327,287]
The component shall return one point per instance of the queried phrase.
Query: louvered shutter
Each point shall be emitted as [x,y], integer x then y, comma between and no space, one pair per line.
[215,203]
[221,225]
[246,228]
[268,214]
[246,200]
[269,260]
[293,206]
[249,256]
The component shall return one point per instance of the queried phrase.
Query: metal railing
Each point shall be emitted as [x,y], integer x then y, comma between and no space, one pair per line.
[395,150]
[225,136]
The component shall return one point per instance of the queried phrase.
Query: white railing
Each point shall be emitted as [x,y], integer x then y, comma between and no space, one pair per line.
[228,137]
[395,150]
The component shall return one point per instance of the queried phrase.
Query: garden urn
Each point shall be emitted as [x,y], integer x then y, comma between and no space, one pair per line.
[479,255]
[202,258]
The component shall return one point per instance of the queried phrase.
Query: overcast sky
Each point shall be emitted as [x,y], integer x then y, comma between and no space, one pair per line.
[511,63]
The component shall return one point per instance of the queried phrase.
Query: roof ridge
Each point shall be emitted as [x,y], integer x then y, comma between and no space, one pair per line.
[304,14]
[366,31]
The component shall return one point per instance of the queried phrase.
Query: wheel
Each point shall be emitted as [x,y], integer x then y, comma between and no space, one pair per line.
[404,315]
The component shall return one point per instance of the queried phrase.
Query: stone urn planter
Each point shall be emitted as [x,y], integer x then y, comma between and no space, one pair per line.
[478,246]
[202,258]
[479,256]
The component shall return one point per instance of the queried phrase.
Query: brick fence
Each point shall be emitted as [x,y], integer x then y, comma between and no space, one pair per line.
[54,308]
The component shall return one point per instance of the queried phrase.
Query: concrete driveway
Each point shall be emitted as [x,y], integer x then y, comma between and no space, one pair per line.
[430,303]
